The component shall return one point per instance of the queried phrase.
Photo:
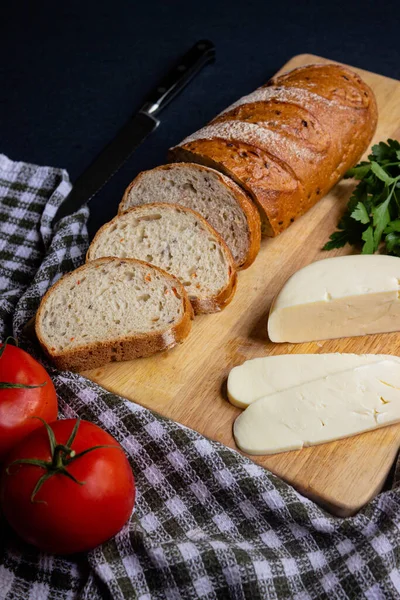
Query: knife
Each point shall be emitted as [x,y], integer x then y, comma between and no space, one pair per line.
[114,155]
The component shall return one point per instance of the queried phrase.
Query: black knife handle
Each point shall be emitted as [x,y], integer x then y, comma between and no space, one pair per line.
[202,53]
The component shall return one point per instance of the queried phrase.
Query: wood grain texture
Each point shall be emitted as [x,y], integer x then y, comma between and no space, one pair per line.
[188,383]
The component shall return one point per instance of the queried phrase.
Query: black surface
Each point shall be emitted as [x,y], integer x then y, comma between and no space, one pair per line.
[133,133]
[106,164]
[73,72]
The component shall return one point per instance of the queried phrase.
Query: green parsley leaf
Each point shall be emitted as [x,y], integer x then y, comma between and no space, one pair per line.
[338,239]
[381,173]
[384,151]
[368,237]
[358,172]
[372,216]
[393,226]
[381,218]
[360,213]
[393,243]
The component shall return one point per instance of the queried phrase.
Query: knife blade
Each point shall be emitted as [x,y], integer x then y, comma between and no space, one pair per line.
[136,130]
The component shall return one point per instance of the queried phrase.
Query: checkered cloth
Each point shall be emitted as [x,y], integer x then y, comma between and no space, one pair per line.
[208,523]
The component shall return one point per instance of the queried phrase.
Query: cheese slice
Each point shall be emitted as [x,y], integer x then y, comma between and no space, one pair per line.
[260,377]
[338,297]
[330,408]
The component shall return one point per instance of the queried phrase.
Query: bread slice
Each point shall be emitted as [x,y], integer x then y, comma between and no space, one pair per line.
[178,240]
[216,197]
[112,310]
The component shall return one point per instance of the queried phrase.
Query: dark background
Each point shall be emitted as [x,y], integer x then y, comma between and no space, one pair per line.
[73,72]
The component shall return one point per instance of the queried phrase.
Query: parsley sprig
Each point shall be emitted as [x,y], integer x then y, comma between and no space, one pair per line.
[372,216]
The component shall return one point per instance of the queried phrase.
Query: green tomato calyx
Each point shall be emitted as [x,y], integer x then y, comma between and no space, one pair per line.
[6,385]
[62,455]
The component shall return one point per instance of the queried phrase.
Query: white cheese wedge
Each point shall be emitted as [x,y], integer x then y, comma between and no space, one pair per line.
[263,376]
[338,297]
[330,408]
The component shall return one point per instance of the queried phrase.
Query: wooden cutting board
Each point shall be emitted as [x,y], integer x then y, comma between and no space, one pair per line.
[187,384]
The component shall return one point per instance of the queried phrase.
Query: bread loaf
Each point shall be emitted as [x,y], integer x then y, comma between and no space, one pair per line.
[112,310]
[289,142]
[216,197]
[178,240]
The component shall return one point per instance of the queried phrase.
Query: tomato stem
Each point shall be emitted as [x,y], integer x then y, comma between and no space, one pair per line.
[62,455]
[6,385]
[6,341]
[58,462]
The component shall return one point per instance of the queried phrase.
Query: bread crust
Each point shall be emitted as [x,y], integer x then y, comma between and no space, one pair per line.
[97,354]
[251,213]
[294,120]
[200,305]
[333,81]
[340,103]
[218,303]
[264,179]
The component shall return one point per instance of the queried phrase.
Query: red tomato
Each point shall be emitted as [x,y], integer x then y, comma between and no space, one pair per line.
[19,405]
[65,516]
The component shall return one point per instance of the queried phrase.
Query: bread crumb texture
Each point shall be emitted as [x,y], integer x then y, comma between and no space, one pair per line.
[106,301]
[174,238]
[204,190]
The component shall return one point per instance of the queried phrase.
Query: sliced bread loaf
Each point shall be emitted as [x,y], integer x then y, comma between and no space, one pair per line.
[112,310]
[288,143]
[216,197]
[178,240]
